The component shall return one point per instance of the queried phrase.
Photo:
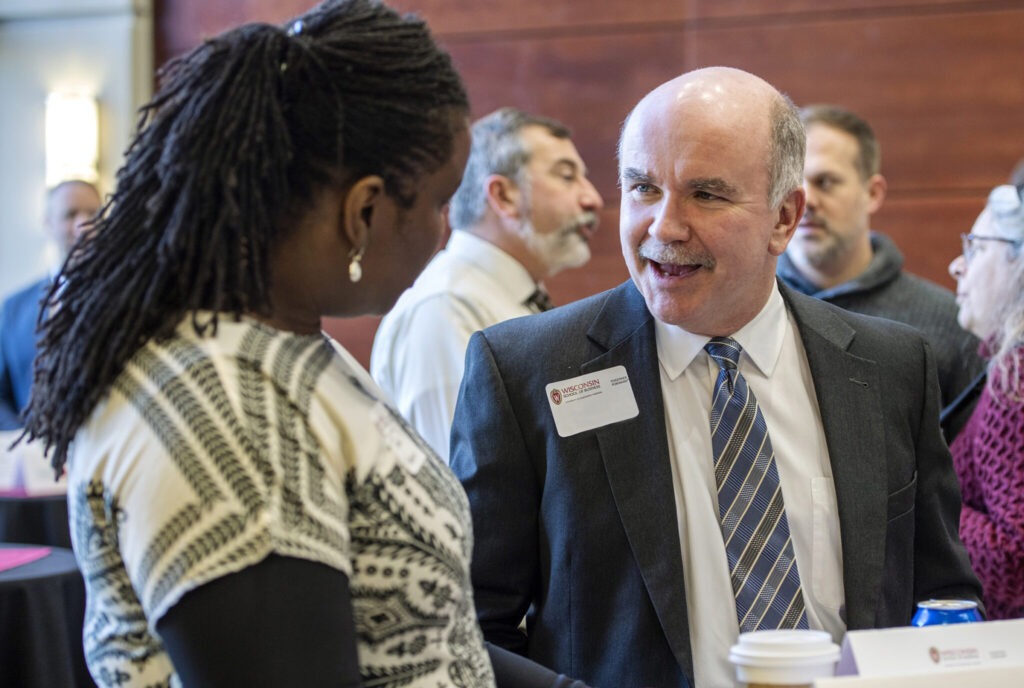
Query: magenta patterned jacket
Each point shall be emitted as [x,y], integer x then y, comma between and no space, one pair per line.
[989,458]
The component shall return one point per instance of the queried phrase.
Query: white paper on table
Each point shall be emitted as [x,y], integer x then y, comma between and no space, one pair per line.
[990,677]
[10,475]
[37,471]
[933,649]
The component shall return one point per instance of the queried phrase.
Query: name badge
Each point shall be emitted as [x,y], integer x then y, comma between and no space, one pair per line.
[591,401]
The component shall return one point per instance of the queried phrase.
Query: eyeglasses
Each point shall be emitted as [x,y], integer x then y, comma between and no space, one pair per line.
[968,242]
[1007,210]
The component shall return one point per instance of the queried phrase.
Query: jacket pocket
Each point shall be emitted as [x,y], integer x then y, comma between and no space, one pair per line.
[901,502]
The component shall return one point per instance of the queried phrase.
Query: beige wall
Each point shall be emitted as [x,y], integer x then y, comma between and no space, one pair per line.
[100,47]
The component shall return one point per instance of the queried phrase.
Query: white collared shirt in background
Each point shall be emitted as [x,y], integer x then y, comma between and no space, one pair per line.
[419,350]
[774,364]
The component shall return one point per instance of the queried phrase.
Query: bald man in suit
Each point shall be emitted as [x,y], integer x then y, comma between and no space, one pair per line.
[586,437]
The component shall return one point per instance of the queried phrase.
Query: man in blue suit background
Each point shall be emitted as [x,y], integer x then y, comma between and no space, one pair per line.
[69,206]
[590,446]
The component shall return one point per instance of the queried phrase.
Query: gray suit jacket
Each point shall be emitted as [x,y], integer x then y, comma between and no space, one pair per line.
[582,531]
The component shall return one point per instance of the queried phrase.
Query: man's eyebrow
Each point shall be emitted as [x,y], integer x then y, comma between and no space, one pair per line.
[714,185]
[635,175]
[570,163]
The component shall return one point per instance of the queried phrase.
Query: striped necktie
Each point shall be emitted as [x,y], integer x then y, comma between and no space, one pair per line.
[762,565]
[540,301]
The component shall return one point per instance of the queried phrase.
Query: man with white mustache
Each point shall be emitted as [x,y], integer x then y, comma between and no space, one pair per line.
[836,257]
[524,212]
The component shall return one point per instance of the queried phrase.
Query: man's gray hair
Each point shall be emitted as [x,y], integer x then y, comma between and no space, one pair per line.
[788,149]
[1007,207]
[1006,203]
[498,148]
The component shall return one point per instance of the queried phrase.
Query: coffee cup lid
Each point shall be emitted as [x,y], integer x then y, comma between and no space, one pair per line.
[782,655]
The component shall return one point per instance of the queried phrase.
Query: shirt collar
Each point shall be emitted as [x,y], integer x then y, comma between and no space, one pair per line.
[493,261]
[761,339]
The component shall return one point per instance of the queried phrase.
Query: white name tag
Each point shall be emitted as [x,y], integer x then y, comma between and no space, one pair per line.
[591,401]
[397,439]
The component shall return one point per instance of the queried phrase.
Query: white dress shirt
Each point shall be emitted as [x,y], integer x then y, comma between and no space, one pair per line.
[419,350]
[774,364]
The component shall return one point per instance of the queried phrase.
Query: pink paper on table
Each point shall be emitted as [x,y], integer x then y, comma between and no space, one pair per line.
[18,556]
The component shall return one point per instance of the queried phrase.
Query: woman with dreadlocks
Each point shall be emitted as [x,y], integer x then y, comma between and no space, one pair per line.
[245,508]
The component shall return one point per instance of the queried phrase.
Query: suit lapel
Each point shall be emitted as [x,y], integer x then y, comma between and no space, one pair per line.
[848,392]
[636,459]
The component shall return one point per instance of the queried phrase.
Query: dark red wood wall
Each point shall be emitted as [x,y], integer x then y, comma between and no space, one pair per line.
[941,81]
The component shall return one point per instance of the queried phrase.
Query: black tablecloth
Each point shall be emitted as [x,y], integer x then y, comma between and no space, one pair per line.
[35,520]
[42,606]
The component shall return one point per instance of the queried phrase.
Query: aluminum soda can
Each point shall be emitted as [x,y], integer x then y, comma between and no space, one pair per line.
[941,612]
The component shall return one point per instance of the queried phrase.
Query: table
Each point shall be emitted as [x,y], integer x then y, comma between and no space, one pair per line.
[39,520]
[42,607]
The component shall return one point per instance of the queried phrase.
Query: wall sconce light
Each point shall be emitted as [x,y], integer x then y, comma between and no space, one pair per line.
[72,138]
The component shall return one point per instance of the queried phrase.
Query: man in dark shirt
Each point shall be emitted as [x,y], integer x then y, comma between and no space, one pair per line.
[835,256]
[69,207]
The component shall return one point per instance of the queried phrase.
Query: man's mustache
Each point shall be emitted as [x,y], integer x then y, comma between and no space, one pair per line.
[675,254]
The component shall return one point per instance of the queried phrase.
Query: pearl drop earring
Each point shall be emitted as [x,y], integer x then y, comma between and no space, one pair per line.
[355,268]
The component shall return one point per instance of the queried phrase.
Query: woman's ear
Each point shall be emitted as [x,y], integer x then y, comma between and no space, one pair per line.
[364,206]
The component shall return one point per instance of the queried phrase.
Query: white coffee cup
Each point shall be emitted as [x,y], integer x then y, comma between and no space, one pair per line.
[784,657]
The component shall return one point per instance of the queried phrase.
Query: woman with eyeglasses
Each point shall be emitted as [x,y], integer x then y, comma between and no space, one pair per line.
[989,452]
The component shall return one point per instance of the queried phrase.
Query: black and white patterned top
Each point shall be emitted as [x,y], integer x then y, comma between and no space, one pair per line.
[211,453]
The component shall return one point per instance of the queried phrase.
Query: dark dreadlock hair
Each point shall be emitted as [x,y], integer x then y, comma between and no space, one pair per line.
[240,135]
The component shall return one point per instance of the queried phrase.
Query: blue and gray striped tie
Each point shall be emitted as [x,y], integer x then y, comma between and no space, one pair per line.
[762,565]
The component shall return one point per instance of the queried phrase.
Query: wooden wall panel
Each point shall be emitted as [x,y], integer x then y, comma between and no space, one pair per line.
[928,231]
[576,80]
[469,19]
[940,81]
[733,9]
[355,334]
[942,92]
[475,20]
[180,25]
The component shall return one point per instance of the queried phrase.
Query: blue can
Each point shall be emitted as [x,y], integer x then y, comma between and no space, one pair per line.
[942,612]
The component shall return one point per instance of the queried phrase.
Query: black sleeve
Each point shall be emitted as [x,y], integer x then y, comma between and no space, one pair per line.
[282,622]
[515,671]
